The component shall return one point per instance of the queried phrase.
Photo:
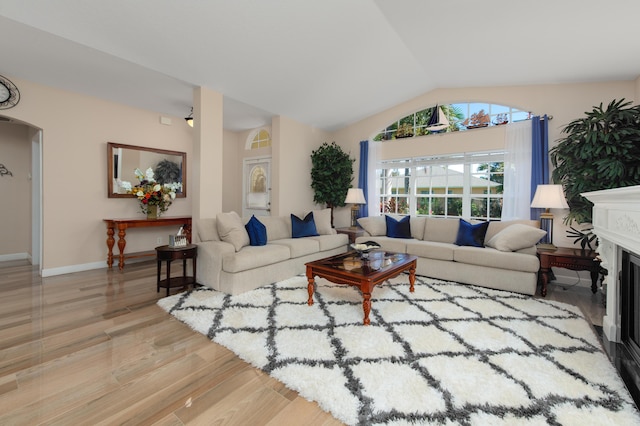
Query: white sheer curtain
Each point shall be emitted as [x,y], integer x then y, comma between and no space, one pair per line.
[373,197]
[517,171]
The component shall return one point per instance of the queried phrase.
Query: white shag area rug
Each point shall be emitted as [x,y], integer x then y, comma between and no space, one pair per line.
[447,354]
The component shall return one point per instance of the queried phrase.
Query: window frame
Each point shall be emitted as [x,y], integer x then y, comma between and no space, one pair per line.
[412,200]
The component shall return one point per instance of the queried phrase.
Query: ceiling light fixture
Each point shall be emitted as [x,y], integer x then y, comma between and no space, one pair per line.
[189,118]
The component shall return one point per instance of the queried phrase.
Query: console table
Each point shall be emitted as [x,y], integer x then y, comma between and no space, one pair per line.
[123,224]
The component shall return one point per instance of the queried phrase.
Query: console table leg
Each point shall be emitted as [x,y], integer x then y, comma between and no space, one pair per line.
[110,242]
[122,232]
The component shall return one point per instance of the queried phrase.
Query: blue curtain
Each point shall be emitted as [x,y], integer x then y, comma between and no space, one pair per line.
[539,157]
[363,175]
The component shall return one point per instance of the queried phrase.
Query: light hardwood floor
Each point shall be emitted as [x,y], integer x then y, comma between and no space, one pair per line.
[93,348]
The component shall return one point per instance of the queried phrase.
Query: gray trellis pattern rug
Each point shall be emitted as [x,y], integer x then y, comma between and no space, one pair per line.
[447,354]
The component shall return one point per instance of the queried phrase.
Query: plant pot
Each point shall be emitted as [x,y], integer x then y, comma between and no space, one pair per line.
[153,212]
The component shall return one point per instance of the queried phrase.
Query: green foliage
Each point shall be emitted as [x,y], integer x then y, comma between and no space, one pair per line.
[167,172]
[599,151]
[331,174]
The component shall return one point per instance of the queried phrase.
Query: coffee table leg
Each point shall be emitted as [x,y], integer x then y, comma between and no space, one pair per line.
[310,286]
[366,307]
[412,277]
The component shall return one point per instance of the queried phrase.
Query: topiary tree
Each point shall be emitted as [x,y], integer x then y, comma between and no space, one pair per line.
[331,175]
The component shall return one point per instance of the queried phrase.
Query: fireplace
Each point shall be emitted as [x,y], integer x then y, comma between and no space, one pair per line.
[616,222]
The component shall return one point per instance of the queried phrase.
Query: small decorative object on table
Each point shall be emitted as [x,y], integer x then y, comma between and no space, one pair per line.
[178,240]
[154,198]
[363,249]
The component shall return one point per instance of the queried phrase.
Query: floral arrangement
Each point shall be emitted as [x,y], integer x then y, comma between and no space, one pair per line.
[151,193]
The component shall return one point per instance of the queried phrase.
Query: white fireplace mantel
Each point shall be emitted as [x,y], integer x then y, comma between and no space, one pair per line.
[616,222]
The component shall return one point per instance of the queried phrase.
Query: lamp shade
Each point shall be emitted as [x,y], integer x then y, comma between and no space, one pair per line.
[549,197]
[355,196]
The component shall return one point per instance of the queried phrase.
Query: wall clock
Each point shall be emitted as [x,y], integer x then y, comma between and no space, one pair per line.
[9,93]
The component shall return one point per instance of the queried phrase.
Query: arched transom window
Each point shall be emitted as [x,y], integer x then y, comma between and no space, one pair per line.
[261,139]
[451,118]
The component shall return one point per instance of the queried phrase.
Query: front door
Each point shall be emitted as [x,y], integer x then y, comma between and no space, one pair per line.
[256,187]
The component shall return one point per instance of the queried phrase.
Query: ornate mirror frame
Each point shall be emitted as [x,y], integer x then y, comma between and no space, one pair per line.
[122,160]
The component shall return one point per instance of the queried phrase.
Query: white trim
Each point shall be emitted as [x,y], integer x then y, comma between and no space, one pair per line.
[14,256]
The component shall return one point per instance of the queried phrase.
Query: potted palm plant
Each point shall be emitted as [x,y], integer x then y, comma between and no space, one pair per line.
[599,151]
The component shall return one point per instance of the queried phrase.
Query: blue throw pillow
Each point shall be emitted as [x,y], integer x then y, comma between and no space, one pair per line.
[471,235]
[303,227]
[398,228]
[257,232]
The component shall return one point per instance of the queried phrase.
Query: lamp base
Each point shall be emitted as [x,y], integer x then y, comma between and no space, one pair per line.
[354,216]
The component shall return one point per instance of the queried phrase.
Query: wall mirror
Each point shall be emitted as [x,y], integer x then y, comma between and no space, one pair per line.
[122,160]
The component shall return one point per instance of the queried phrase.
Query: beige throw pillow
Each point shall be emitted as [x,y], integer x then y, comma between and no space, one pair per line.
[374,225]
[322,218]
[516,237]
[232,230]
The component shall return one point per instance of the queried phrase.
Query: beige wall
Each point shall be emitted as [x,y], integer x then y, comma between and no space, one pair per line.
[15,191]
[565,102]
[293,143]
[76,130]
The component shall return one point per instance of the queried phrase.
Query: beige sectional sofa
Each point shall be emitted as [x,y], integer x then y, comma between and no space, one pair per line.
[508,260]
[228,263]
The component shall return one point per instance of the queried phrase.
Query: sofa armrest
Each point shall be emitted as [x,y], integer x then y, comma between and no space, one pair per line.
[209,262]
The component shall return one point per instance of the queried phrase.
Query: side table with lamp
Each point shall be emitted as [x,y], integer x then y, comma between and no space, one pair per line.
[355,196]
[552,197]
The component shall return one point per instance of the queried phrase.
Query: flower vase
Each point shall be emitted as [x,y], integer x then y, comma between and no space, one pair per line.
[152,212]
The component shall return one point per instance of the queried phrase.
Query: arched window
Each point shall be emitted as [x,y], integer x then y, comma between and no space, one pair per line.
[261,139]
[451,118]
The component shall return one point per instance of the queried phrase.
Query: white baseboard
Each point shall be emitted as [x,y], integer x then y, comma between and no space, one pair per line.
[85,267]
[14,256]
[73,268]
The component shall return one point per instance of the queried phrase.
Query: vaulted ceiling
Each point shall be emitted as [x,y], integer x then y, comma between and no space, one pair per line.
[326,63]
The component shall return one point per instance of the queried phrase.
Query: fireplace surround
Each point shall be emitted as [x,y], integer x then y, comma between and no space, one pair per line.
[616,222]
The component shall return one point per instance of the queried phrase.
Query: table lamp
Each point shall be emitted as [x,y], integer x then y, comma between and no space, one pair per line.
[548,197]
[355,196]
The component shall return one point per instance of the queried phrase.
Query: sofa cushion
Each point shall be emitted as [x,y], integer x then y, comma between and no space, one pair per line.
[251,257]
[496,259]
[374,225]
[299,247]
[398,228]
[257,232]
[471,235]
[431,250]
[516,237]
[330,242]
[441,230]
[303,227]
[232,230]
[278,227]
[207,229]
[498,225]
[397,245]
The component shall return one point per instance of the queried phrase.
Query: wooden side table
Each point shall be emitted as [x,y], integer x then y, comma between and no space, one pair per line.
[570,258]
[169,254]
[352,232]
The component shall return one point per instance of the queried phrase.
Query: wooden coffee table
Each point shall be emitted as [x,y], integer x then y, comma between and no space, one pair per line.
[349,268]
